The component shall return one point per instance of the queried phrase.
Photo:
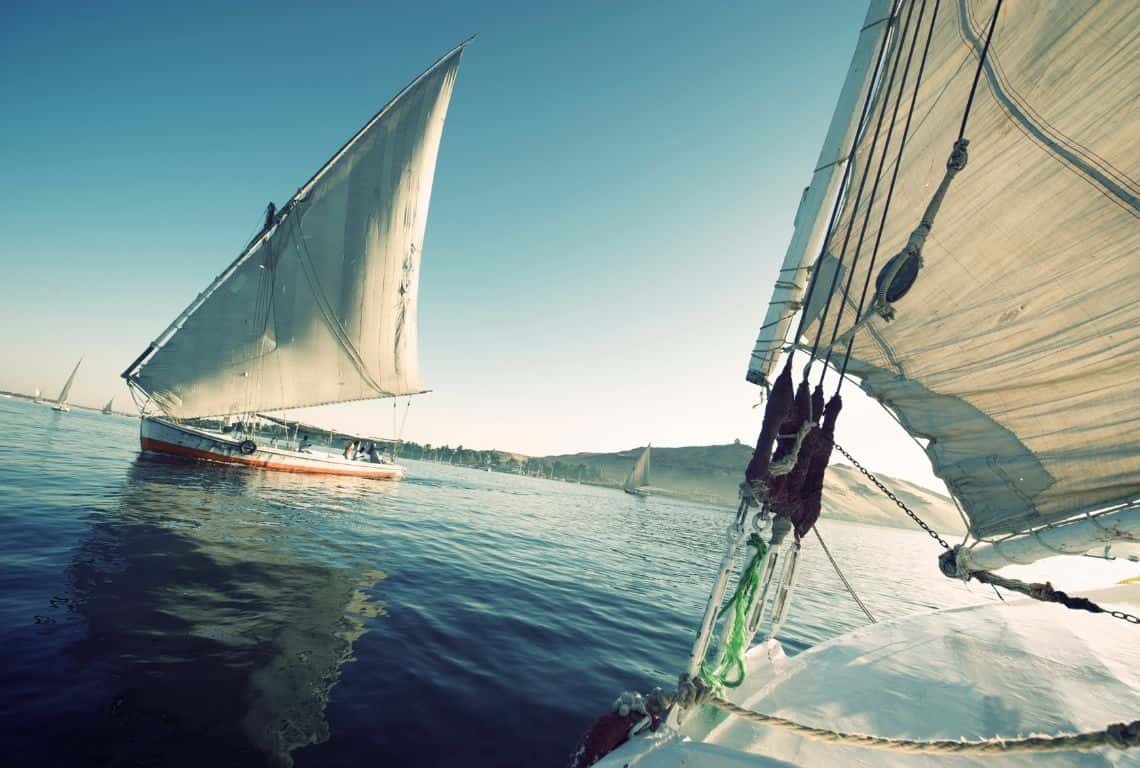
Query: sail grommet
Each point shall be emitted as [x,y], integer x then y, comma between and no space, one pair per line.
[247,447]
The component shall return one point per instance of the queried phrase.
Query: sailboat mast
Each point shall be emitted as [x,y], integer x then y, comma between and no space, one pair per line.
[820,196]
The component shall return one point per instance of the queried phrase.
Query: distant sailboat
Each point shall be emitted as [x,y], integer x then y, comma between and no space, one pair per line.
[107,407]
[319,308]
[638,477]
[38,397]
[61,404]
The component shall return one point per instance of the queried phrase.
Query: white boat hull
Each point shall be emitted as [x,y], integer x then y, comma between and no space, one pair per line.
[61,407]
[161,436]
[992,670]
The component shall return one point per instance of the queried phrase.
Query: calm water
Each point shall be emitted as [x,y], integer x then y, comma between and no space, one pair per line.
[163,613]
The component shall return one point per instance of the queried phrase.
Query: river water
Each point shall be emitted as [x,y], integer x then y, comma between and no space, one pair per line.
[155,612]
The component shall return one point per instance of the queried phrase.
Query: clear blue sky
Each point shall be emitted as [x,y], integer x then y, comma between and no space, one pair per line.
[614,193]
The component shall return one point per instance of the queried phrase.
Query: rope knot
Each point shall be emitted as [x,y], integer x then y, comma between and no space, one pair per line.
[755,493]
[948,564]
[691,691]
[958,156]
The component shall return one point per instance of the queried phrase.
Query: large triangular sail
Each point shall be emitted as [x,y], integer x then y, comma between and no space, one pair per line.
[639,475]
[1013,355]
[66,391]
[321,307]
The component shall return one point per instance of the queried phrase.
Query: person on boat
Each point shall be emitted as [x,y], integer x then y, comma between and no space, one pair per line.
[373,454]
[304,445]
[270,216]
[350,449]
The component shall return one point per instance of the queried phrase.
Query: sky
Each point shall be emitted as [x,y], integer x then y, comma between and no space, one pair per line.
[614,194]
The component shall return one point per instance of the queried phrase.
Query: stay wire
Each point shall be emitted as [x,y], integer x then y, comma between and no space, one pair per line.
[874,189]
[961,135]
[862,185]
[864,114]
[891,188]
[978,71]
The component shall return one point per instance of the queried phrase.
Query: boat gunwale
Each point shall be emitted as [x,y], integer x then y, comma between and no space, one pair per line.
[332,464]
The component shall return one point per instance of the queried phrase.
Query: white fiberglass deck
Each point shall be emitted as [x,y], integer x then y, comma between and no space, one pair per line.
[998,669]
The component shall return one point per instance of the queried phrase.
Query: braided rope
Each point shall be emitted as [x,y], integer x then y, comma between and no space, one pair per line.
[1117,735]
[846,583]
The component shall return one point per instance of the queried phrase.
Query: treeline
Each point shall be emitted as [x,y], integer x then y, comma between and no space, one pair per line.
[499,461]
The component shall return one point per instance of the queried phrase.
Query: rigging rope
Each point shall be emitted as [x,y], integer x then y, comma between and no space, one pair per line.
[858,195]
[910,257]
[846,583]
[948,562]
[1117,735]
[878,178]
[978,71]
[864,113]
[891,187]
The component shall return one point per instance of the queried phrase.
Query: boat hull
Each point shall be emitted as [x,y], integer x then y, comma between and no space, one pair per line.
[1005,669]
[61,407]
[161,436]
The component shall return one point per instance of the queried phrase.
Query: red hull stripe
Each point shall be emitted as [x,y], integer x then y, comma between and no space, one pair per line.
[161,446]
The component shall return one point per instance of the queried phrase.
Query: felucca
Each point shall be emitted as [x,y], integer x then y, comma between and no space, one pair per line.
[638,477]
[319,308]
[966,254]
[61,404]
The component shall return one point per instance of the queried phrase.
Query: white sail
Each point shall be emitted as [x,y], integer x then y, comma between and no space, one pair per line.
[66,391]
[108,406]
[639,475]
[1014,354]
[322,307]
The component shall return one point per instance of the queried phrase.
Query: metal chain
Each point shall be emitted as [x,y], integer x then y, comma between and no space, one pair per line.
[901,504]
[1126,616]
[984,576]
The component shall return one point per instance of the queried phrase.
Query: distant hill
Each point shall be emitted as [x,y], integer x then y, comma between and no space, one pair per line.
[712,473]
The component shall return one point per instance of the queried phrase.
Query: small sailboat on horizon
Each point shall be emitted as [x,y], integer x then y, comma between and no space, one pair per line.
[61,404]
[37,398]
[638,477]
[107,408]
[319,309]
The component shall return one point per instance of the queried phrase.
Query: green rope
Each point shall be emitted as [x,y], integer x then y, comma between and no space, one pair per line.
[728,672]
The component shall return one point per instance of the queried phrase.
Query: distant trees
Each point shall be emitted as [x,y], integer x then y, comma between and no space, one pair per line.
[498,461]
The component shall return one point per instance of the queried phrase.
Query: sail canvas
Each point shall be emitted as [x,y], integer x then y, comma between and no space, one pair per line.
[1013,355]
[322,307]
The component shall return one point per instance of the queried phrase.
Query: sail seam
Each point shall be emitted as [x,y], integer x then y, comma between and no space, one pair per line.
[1072,157]
[1091,156]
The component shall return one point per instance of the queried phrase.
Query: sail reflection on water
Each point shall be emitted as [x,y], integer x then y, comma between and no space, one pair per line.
[213,626]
